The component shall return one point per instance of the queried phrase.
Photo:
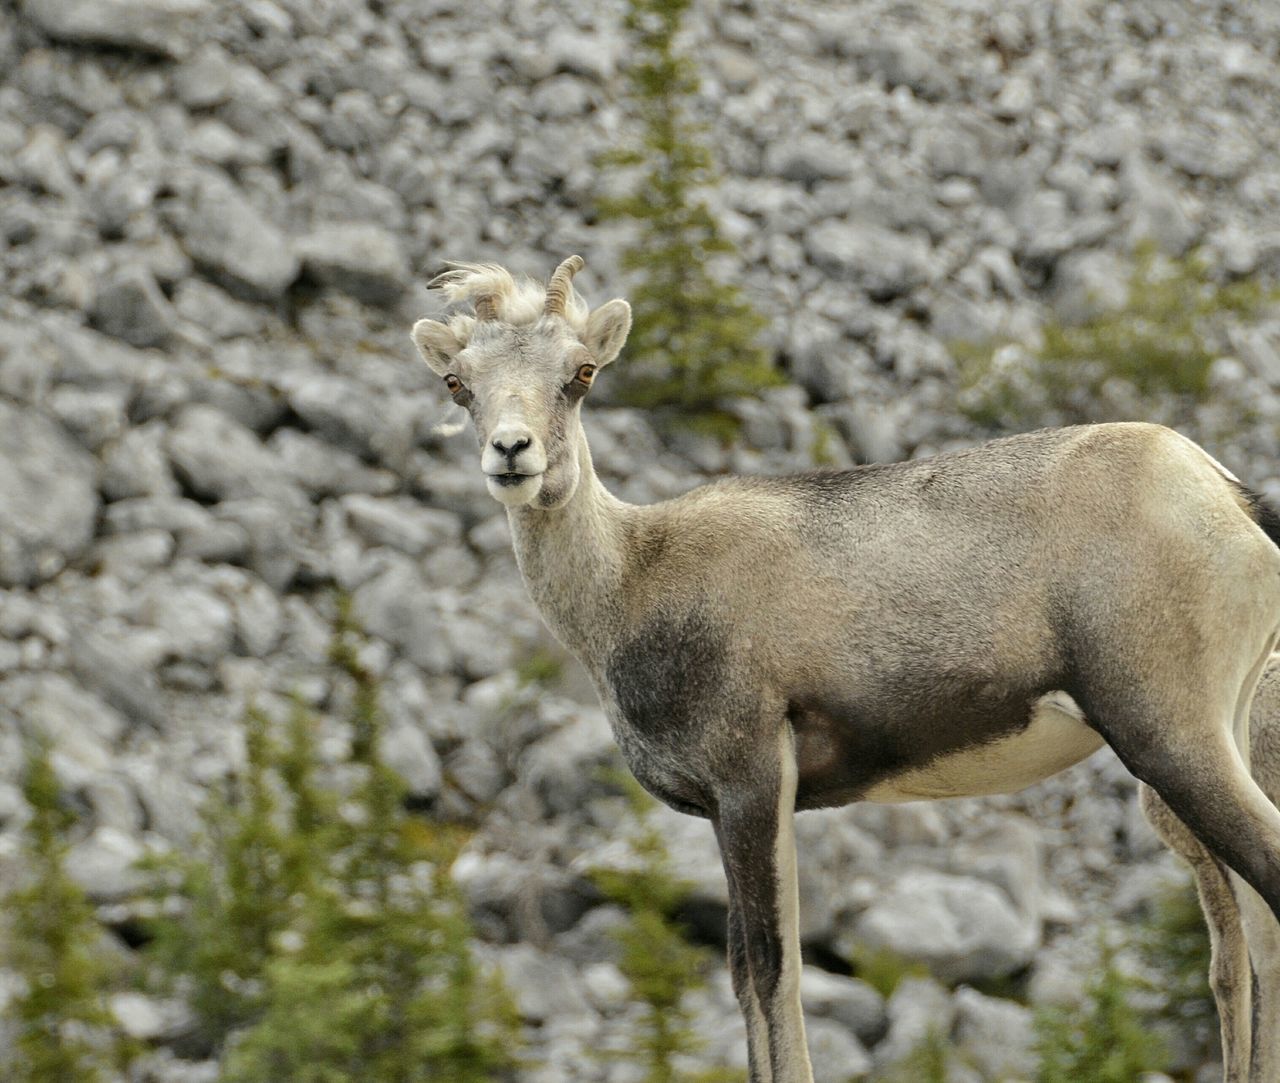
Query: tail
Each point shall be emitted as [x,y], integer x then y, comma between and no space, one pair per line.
[1260,511]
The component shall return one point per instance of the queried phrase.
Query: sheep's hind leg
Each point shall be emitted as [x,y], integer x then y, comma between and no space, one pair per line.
[754,826]
[1230,975]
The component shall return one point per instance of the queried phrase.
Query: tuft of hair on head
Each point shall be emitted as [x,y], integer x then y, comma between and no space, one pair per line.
[515,301]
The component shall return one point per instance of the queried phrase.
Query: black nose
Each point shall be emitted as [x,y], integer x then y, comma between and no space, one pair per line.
[512,451]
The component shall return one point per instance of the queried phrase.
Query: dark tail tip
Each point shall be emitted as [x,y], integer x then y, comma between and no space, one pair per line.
[1263,513]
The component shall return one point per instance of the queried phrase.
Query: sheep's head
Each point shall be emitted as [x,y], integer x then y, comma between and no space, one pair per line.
[521,366]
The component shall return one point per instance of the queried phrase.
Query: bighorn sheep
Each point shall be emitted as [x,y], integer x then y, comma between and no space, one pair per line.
[961,625]
[1245,968]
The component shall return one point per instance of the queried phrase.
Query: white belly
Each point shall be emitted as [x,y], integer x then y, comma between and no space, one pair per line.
[1055,738]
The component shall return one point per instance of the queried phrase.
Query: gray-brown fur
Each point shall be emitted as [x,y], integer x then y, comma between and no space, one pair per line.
[965,624]
[1246,990]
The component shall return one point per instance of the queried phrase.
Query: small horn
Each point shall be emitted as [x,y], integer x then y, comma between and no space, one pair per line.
[486,307]
[560,285]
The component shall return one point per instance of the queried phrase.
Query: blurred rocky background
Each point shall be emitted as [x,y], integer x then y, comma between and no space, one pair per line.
[216,219]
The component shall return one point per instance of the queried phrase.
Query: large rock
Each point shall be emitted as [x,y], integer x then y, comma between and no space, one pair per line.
[883,262]
[961,928]
[363,260]
[232,240]
[167,27]
[48,497]
[219,459]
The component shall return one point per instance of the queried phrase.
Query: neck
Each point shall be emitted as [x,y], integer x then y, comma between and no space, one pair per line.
[571,559]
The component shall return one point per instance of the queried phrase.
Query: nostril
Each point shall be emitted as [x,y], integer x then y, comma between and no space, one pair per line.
[509,447]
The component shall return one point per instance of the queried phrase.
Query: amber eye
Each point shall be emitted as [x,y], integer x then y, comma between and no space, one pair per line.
[586,373]
[453,384]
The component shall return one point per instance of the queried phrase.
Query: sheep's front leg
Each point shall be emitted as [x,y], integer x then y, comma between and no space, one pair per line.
[755,827]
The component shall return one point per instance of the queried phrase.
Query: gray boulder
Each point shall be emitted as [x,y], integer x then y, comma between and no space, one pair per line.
[48,497]
[401,523]
[360,259]
[219,459]
[997,1036]
[542,986]
[105,864]
[130,306]
[961,928]
[834,1052]
[231,239]
[884,262]
[167,27]
[918,1008]
[850,1002]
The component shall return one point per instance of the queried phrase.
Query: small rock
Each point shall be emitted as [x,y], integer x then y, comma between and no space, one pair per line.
[408,752]
[130,306]
[997,1036]
[224,233]
[918,1008]
[961,928]
[167,27]
[135,465]
[543,986]
[197,625]
[884,262]
[146,1019]
[362,260]
[105,865]
[219,459]
[401,523]
[834,1052]
[850,1002]
[48,497]
[209,307]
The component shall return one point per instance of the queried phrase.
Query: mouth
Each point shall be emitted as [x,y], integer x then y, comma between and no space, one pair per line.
[510,480]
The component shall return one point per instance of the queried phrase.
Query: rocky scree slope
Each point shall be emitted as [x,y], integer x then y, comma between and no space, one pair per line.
[215,220]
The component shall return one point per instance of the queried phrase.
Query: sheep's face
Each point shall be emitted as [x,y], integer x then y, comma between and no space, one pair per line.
[523,386]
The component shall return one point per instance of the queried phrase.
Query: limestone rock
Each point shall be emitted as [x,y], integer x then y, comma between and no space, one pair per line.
[230,238]
[363,260]
[884,262]
[130,306]
[961,928]
[48,497]
[167,27]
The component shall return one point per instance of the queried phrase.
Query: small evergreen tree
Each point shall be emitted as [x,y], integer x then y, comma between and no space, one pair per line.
[377,980]
[1108,1041]
[661,965]
[64,1031]
[242,888]
[694,340]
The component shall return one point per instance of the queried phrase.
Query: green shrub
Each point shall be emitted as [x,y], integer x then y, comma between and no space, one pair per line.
[1160,342]
[883,968]
[694,340]
[64,1032]
[325,927]
[225,904]
[1107,1041]
[1174,943]
[658,961]
[928,1062]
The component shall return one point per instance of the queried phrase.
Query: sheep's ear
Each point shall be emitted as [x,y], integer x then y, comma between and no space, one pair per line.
[437,344]
[606,330]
